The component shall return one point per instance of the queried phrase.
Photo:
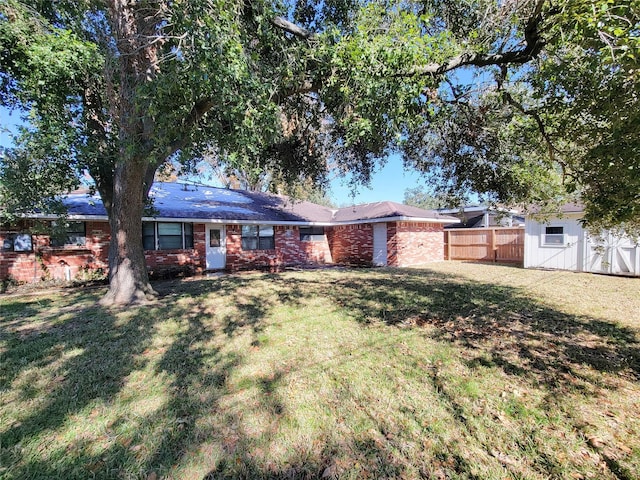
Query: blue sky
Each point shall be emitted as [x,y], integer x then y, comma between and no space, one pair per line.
[388,182]
[7,122]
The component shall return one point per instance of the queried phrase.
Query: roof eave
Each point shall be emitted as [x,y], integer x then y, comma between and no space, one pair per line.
[398,218]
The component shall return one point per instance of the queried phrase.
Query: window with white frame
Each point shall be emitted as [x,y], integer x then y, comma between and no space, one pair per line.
[554,236]
[258,237]
[311,234]
[167,235]
[17,242]
[69,234]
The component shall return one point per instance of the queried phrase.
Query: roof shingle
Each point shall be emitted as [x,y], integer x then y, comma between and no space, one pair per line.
[201,202]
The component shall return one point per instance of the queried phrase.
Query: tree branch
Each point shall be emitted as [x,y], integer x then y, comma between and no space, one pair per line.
[292,28]
[551,148]
[533,46]
[199,110]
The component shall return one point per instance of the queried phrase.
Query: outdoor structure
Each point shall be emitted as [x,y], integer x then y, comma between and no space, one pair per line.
[482,216]
[196,228]
[495,244]
[484,234]
[560,242]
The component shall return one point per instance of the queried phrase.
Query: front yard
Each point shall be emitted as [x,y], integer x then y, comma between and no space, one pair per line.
[451,371]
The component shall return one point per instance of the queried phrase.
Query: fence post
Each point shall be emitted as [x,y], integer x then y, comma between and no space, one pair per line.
[448,239]
[492,245]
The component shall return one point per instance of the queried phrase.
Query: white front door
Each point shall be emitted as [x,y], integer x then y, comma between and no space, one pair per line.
[216,247]
[379,244]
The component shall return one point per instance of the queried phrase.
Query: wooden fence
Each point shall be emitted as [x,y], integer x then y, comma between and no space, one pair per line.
[497,244]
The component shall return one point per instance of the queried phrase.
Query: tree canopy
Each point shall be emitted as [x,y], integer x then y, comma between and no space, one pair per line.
[116,88]
[422,198]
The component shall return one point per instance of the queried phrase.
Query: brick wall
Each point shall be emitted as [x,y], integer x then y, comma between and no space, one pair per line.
[351,244]
[411,243]
[407,244]
[289,250]
[188,259]
[47,262]
[56,262]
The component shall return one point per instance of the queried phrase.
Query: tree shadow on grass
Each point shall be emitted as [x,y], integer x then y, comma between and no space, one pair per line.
[495,326]
[59,370]
[93,352]
[504,325]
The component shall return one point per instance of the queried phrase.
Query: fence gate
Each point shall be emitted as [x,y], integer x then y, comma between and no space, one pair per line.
[499,244]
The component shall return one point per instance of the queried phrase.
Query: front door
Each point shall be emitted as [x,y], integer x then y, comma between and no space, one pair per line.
[216,247]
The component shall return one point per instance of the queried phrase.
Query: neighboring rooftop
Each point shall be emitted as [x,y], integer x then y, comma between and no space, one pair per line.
[571,207]
[477,209]
[482,216]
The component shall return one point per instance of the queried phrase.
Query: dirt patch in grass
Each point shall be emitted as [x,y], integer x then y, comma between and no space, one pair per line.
[451,371]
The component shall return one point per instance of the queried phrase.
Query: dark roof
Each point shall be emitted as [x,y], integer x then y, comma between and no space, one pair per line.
[471,222]
[572,207]
[200,202]
[379,210]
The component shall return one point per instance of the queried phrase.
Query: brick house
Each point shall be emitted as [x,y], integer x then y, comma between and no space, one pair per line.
[200,228]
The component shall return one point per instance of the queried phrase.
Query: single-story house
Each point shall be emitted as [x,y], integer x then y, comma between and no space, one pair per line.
[482,216]
[202,228]
[561,242]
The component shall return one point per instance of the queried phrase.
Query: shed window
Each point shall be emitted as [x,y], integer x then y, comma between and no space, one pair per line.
[70,233]
[17,242]
[554,236]
[258,237]
[167,235]
[311,234]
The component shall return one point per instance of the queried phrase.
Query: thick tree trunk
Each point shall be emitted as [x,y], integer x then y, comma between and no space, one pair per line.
[128,278]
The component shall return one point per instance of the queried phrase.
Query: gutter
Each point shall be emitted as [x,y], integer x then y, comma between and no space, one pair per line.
[398,218]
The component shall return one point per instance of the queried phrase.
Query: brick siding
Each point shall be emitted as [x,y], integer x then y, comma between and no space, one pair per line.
[47,262]
[289,250]
[351,244]
[407,244]
[192,259]
[410,243]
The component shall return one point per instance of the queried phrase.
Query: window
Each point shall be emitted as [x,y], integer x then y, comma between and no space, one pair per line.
[69,233]
[167,235]
[311,234]
[214,237]
[554,236]
[17,242]
[149,235]
[257,237]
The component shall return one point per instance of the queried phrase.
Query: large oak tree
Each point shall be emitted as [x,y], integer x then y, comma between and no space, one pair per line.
[117,88]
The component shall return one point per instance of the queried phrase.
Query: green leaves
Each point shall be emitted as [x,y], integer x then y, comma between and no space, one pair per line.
[150,84]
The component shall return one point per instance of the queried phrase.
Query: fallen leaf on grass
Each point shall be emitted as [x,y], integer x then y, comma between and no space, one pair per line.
[595,442]
[96,466]
[503,458]
[330,472]
[625,449]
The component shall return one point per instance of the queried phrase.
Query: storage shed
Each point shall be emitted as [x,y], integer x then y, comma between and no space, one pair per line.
[561,242]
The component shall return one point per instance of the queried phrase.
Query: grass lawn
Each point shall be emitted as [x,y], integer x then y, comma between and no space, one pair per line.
[452,371]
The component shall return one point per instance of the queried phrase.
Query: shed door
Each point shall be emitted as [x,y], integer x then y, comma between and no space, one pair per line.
[216,247]
[380,244]
[608,253]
